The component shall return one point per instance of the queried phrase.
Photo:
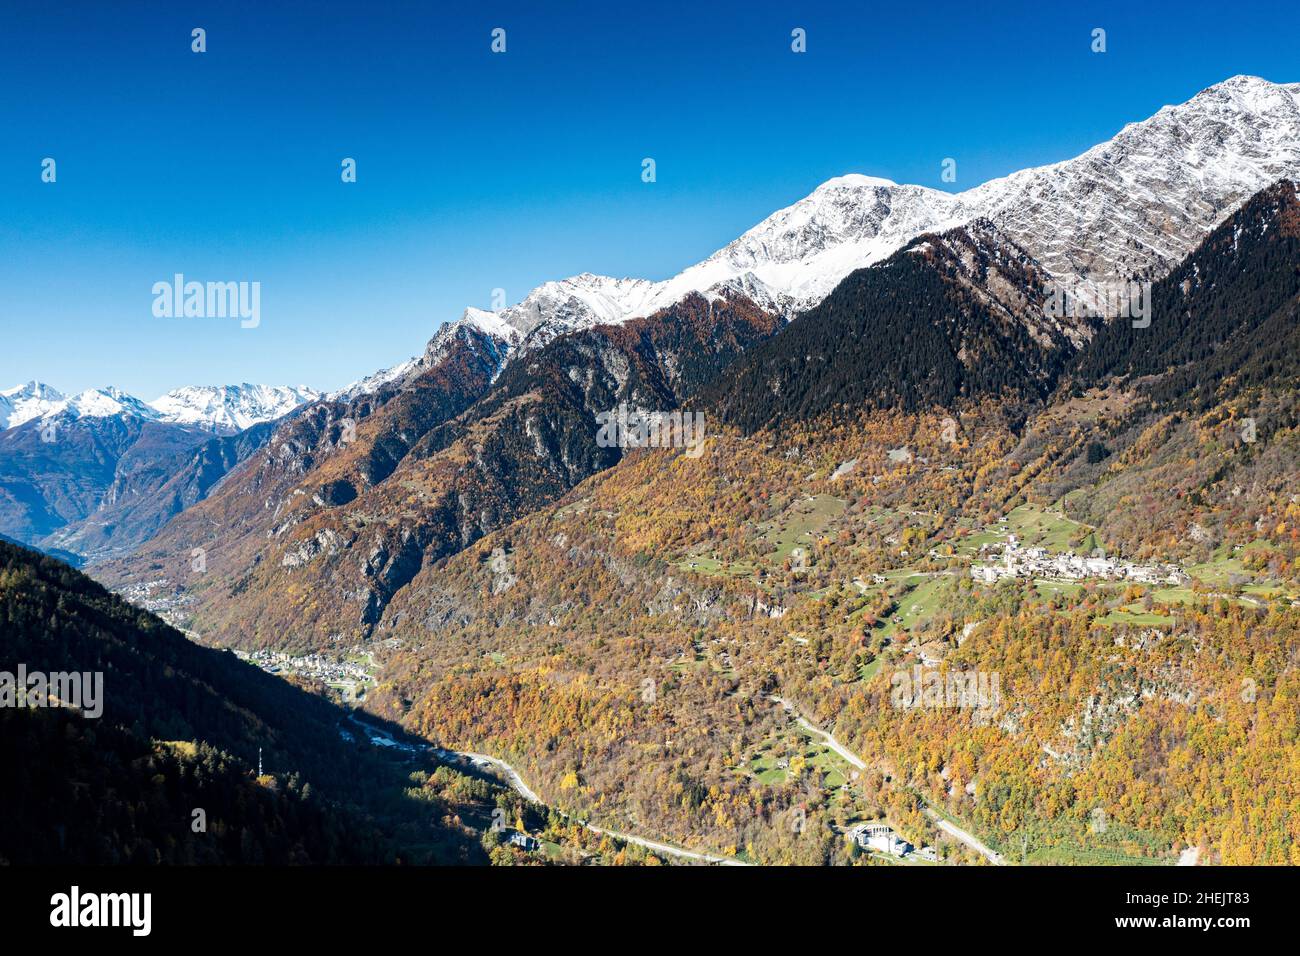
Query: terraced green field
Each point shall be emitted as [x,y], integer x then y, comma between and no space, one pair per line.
[1049,589]
[868,671]
[800,524]
[1044,528]
[1134,614]
[924,597]
[767,772]
[701,564]
[1034,527]
[804,755]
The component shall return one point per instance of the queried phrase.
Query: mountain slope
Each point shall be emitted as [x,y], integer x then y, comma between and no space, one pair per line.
[324,457]
[1200,436]
[1138,203]
[1226,319]
[957,316]
[184,727]
[624,643]
[359,524]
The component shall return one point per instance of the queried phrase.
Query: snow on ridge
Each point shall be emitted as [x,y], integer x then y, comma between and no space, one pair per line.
[492,324]
[1132,206]
[101,403]
[1136,204]
[1075,215]
[229,408]
[24,402]
[374,381]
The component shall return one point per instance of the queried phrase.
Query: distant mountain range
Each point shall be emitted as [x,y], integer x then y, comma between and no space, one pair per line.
[223,409]
[98,472]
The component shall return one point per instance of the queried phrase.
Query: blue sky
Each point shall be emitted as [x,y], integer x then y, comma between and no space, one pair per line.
[478,171]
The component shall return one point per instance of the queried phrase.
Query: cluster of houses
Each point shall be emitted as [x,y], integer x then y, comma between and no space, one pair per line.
[169,603]
[1018,562]
[882,838]
[310,665]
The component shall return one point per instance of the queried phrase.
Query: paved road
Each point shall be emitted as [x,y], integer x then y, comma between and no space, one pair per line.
[953,830]
[950,828]
[516,782]
[822,735]
[667,848]
[512,776]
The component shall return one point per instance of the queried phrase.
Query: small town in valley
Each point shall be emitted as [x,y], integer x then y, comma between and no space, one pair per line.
[1020,562]
[349,677]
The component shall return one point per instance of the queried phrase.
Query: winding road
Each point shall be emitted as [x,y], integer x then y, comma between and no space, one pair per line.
[516,782]
[512,778]
[822,735]
[950,828]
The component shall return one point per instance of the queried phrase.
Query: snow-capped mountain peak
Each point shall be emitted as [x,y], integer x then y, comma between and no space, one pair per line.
[788,262]
[1130,207]
[375,380]
[103,403]
[224,409]
[92,403]
[492,323]
[24,402]
[230,407]
[477,328]
[576,302]
[1137,203]
[800,253]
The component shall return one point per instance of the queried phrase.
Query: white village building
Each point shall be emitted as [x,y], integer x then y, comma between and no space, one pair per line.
[1020,562]
[881,838]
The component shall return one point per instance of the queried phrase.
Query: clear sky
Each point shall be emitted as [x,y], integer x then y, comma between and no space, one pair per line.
[478,170]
